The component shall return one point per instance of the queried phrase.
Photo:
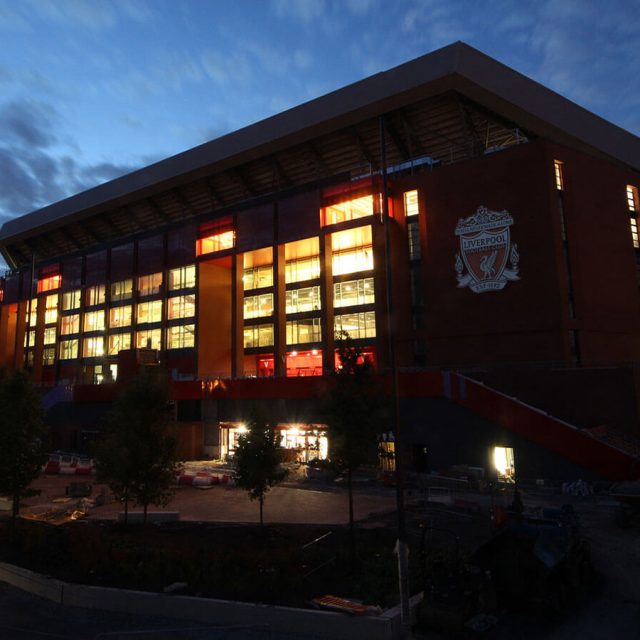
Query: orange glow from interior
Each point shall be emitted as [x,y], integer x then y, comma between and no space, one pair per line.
[49,283]
[216,242]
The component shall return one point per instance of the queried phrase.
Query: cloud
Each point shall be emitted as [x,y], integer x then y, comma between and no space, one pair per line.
[32,171]
[305,11]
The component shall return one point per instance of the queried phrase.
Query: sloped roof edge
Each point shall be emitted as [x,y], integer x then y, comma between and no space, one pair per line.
[457,66]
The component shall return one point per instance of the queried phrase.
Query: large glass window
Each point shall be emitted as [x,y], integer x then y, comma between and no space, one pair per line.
[181,307]
[69,349]
[344,211]
[119,342]
[49,356]
[94,321]
[182,278]
[304,331]
[120,316]
[301,300]
[411,203]
[149,285]
[258,277]
[182,336]
[122,290]
[148,312]
[634,233]
[258,306]
[32,312]
[93,347]
[302,260]
[353,292]
[216,242]
[70,324]
[71,300]
[151,339]
[258,335]
[51,309]
[49,283]
[95,295]
[352,251]
[50,335]
[30,339]
[355,325]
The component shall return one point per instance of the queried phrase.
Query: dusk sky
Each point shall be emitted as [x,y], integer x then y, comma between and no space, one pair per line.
[94,89]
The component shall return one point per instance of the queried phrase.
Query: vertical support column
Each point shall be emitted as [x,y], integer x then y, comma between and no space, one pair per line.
[279,312]
[326,295]
[39,345]
[237,316]
[380,289]
[21,327]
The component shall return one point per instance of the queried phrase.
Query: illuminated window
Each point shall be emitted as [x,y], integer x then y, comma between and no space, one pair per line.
[302,269]
[120,316]
[122,290]
[302,260]
[353,292]
[71,300]
[411,203]
[355,325]
[182,278]
[49,283]
[304,331]
[94,321]
[181,307]
[258,277]
[69,349]
[352,251]
[30,339]
[95,295]
[258,306]
[182,336]
[51,309]
[151,339]
[559,174]
[50,335]
[119,342]
[413,233]
[70,324]
[149,285]
[49,356]
[258,335]
[32,312]
[632,198]
[216,242]
[304,363]
[149,312]
[344,211]
[634,233]
[301,300]
[93,347]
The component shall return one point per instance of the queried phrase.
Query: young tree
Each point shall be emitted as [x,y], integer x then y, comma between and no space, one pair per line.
[355,412]
[257,460]
[22,437]
[137,454]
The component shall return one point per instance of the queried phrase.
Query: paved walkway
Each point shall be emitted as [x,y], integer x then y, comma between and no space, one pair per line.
[285,504]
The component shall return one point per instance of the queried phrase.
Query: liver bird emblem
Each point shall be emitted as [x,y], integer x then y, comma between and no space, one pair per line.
[487,265]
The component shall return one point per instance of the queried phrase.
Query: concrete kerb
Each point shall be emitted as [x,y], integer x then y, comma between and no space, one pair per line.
[324,624]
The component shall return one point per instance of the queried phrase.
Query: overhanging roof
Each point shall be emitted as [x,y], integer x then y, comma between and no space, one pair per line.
[316,133]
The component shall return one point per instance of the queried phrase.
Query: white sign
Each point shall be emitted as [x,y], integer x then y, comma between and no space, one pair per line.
[485,249]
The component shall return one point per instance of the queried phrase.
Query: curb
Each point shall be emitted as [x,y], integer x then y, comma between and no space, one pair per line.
[322,624]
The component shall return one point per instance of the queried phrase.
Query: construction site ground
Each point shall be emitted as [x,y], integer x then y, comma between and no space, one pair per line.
[611,609]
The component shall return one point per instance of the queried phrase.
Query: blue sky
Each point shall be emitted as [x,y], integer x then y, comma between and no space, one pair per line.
[90,89]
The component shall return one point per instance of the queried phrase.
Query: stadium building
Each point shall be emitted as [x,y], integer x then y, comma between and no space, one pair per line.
[503,215]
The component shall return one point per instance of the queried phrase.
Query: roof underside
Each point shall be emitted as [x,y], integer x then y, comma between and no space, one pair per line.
[450,105]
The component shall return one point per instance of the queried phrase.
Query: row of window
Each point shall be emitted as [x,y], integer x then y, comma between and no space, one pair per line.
[356,325]
[178,337]
[345,294]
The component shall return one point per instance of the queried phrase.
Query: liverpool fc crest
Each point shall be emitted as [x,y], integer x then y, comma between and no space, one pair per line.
[485,249]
